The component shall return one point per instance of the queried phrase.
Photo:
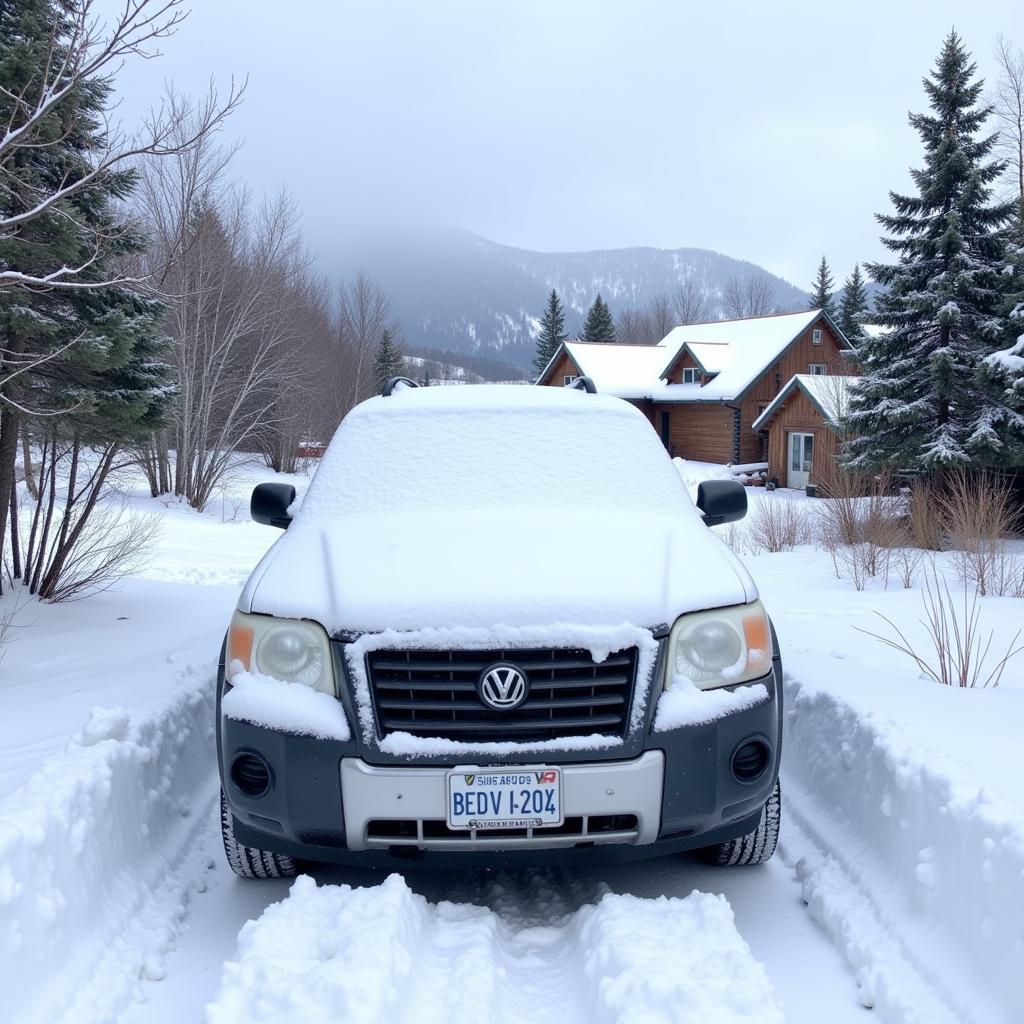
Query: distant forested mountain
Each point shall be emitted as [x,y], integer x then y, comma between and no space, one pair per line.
[461,293]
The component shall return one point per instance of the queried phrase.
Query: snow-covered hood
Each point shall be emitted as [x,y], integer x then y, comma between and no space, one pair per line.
[523,568]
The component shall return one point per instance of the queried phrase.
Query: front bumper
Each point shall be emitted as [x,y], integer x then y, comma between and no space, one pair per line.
[678,785]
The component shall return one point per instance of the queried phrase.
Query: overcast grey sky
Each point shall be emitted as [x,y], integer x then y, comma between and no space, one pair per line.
[770,132]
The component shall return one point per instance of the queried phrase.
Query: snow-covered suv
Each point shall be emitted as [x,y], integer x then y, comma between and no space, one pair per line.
[497,628]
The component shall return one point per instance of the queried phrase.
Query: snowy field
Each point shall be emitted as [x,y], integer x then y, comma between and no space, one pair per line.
[898,885]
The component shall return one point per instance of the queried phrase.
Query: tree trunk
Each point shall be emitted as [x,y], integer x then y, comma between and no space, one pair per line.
[8,454]
[26,458]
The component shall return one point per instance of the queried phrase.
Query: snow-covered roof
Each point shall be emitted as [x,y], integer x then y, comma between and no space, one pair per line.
[626,371]
[829,393]
[736,351]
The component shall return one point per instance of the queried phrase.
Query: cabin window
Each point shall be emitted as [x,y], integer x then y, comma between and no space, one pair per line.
[818,369]
[816,336]
[567,380]
[691,375]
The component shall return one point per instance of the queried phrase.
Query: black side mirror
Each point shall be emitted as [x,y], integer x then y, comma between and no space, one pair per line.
[721,501]
[269,504]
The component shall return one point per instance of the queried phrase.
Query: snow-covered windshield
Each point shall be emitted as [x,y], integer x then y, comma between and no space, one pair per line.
[493,447]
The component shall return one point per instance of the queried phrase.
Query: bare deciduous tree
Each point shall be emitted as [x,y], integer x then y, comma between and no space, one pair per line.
[1008,107]
[690,303]
[750,296]
[83,49]
[364,313]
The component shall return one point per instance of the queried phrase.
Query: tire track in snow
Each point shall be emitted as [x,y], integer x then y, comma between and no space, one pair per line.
[889,978]
[384,953]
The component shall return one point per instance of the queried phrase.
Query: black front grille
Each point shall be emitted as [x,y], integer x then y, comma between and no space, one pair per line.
[434,693]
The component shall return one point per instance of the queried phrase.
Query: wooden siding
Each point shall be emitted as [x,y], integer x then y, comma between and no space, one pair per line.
[564,367]
[796,359]
[799,413]
[685,360]
[701,431]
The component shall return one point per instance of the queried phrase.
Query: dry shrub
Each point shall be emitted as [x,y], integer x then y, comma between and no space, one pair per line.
[777,524]
[925,520]
[115,543]
[734,535]
[860,525]
[907,560]
[959,652]
[979,515]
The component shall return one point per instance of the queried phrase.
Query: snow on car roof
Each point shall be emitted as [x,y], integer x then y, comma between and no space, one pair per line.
[490,504]
[489,447]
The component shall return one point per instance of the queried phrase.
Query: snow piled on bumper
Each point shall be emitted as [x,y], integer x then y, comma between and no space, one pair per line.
[336,953]
[290,707]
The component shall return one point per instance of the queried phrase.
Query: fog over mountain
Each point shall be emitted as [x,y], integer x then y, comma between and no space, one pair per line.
[457,291]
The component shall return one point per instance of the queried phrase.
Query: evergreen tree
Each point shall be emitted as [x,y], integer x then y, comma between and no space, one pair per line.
[388,362]
[921,404]
[599,324]
[823,289]
[1002,372]
[853,303]
[552,333]
[106,370]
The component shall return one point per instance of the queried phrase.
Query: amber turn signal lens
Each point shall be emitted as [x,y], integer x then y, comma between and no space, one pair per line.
[239,647]
[759,642]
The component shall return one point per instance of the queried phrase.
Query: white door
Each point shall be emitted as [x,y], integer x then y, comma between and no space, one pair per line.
[801,455]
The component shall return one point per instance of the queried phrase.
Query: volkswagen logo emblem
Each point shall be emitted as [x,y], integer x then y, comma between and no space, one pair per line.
[503,687]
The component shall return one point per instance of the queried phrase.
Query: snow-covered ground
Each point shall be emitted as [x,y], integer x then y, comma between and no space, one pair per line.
[899,882]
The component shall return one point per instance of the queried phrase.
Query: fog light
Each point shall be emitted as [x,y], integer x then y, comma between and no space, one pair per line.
[251,774]
[751,761]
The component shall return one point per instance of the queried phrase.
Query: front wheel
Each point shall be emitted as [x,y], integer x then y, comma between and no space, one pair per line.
[247,861]
[755,847]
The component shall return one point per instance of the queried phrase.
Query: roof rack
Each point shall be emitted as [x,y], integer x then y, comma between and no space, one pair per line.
[583,384]
[396,382]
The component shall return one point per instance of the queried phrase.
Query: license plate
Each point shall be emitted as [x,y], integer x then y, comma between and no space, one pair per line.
[504,797]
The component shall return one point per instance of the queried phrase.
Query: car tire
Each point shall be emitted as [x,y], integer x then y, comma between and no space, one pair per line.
[247,861]
[755,847]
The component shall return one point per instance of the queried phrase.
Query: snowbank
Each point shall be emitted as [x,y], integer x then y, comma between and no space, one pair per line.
[87,898]
[938,858]
[385,954]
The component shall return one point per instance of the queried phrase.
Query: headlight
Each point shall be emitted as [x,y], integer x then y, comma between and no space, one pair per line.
[292,650]
[721,647]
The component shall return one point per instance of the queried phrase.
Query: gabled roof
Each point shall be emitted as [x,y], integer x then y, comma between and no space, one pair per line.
[733,353]
[829,394]
[737,351]
[626,371]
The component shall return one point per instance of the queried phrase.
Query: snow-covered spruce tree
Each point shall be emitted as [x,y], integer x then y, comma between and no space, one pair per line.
[1002,372]
[823,290]
[388,362]
[599,324]
[852,305]
[921,405]
[551,334]
[78,367]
